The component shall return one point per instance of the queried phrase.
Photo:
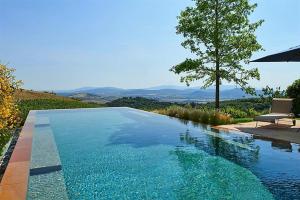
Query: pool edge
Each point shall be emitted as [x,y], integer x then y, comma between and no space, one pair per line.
[14,183]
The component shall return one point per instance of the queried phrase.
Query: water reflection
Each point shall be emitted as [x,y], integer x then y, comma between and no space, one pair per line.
[283,145]
[195,124]
[277,144]
[216,146]
[273,162]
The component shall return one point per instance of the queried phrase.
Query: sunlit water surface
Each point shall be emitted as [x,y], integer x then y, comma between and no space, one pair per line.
[122,153]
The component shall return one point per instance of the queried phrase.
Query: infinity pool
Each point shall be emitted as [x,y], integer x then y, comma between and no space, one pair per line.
[123,153]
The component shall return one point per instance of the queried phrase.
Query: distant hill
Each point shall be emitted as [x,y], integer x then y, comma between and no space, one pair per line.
[223,87]
[161,93]
[175,87]
[86,97]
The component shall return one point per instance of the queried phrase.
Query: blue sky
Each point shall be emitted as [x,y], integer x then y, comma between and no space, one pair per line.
[64,44]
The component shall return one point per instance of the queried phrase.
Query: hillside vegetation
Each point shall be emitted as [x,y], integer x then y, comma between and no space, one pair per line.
[33,95]
[139,103]
[231,111]
[32,100]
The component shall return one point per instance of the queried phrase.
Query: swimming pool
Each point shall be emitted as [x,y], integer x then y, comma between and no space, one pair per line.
[124,153]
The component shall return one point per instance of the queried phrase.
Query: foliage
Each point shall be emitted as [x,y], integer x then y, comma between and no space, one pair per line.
[293,91]
[139,103]
[270,93]
[196,115]
[4,139]
[235,113]
[241,108]
[221,36]
[45,104]
[9,112]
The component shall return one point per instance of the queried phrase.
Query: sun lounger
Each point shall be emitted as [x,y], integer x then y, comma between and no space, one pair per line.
[281,108]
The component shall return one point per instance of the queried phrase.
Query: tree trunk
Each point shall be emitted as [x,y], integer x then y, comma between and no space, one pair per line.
[217,96]
[217,99]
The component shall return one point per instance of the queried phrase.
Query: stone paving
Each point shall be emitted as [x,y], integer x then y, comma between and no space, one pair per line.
[284,130]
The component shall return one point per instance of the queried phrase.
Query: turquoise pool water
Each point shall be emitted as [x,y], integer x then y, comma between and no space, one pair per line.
[123,153]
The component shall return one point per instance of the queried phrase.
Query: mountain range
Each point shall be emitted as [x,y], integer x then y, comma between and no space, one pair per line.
[162,93]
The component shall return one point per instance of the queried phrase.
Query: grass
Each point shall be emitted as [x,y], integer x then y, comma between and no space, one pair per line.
[241,120]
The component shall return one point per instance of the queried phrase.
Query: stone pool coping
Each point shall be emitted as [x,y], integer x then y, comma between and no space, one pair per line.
[283,131]
[14,183]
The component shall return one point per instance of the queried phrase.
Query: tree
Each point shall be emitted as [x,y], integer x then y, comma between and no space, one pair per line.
[293,91]
[221,36]
[9,112]
[269,93]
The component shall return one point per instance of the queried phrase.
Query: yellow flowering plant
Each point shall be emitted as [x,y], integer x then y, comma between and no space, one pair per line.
[9,112]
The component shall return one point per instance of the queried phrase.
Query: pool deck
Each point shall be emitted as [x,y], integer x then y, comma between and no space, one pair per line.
[14,183]
[283,131]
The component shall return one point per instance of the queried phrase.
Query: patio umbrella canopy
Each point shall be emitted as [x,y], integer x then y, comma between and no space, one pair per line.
[291,55]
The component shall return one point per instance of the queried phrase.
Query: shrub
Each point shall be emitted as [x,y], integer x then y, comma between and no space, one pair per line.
[172,111]
[222,118]
[204,117]
[235,113]
[217,118]
[9,112]
[186,114]
[252,113]
[196,115]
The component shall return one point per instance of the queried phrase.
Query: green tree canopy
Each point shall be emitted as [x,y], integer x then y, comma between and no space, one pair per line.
[293,91]
[221,36]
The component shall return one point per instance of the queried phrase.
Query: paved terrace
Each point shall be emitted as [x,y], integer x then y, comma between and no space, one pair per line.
[283,131]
